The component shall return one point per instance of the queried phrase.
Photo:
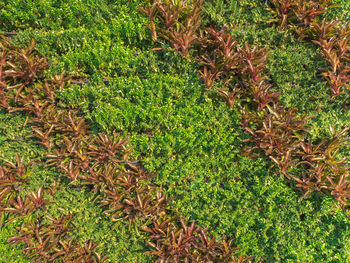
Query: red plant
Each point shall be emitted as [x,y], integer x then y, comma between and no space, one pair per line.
[262,95]
[12,176]
[341,189]
[254,63]
[135,202]
[50,242]
[210,74]
[105,148]
[31,104]
[27,65]
[180,22]
[278,133]
[75,152]
[282,11]
[173,242]
[334,45]
[332,39]
[322,166]
[71,124]
[298,13]
[307,11]
[29,205]
[221,57]
[3,57]
[85,254]
[38,199]
[4,99]
[44,137]
[230,96]
[52,85]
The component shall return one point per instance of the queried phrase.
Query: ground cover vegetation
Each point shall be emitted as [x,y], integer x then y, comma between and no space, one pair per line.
[101,162]
[191,152]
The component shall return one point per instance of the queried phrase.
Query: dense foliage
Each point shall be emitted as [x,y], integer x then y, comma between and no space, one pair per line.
[142,89]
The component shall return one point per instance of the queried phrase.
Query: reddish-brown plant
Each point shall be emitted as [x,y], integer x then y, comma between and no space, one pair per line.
[322,169]
[12,177]
[27,65]
[136,202]
[49,242]
[180,22]
[278,133]
[173,240]
[220,59]
[299,14]
[334,44]
[23,207]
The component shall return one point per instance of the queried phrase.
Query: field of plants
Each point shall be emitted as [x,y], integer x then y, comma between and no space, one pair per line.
[174,131]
